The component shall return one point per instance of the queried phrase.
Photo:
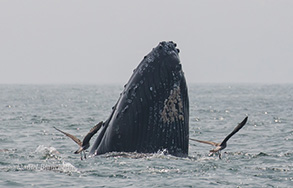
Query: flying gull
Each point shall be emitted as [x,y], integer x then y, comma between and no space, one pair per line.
[223,144]
[85,144]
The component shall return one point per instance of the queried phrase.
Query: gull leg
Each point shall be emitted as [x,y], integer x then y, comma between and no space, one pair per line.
[80,155]
[84,154]
[220,155]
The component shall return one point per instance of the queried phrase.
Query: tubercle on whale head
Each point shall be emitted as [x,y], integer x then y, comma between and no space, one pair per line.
[168,55]
[168,48]
[165,49]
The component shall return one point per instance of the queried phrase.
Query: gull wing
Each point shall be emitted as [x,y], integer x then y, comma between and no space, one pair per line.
[205,142]
[236,129]
[93,131]
[70,136]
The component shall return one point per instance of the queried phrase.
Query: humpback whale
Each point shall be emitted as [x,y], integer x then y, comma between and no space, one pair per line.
[152,112]
[223,144]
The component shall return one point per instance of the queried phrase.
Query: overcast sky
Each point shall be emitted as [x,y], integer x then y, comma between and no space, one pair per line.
[96,42]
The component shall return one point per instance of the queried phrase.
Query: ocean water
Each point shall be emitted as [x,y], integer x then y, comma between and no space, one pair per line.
[33,154]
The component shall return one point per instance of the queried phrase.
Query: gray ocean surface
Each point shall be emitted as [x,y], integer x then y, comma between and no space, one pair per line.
[34,154]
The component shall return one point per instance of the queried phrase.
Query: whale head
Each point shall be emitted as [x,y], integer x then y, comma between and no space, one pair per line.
[152,112]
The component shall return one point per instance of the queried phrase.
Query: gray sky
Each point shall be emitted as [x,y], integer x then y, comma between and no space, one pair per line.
[99,42]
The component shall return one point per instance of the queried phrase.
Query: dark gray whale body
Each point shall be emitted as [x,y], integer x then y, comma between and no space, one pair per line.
[152,112]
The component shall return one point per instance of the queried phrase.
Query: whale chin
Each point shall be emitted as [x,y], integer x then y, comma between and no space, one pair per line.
[152,112]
